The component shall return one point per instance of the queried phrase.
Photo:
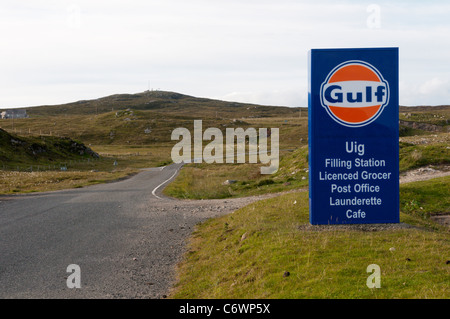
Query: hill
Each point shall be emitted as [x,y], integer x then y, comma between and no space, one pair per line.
[139,119]
[15,150]
[161,102]
[178,104]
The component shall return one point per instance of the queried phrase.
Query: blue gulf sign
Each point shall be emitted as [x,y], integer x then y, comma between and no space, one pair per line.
[353,136]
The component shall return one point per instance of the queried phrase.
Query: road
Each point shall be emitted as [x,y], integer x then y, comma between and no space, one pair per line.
[125,236]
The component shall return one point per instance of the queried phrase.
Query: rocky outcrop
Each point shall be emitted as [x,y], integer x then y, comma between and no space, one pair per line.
[424,126]
[81,149]
[13,148]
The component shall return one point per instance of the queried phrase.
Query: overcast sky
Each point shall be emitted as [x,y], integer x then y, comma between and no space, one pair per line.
[56,51]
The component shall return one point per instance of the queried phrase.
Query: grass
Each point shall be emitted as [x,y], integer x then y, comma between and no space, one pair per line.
[123,125]
[247,253]
[202,181]
[422,199]
[197,181]
[12,182]
[135,129]
[113,128]
[439,118]
[414,156]
[43,150]
[146,127]
[139,119]
[206,180]
[408,131]
[169,103]
[133,156]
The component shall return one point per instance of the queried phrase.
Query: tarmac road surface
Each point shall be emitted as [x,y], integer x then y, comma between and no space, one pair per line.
[126,238]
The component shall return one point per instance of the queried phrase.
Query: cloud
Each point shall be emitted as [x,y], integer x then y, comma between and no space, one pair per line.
[288,97]
[251,51]
[435,91]
[434,86]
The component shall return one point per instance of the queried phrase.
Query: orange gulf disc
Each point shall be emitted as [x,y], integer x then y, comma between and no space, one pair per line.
[354,72]
[354,115]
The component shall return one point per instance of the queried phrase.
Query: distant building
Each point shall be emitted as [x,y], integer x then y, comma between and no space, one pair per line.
[14,113]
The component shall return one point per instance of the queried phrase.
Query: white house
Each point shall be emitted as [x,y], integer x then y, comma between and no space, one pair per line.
[14,113]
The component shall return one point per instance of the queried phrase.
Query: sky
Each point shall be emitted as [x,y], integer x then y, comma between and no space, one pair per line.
[58,51]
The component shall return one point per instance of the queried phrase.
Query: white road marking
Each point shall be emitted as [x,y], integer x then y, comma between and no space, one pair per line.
[152,169]
[153,192]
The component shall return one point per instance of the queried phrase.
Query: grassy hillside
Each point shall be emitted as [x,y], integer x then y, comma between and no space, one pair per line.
[44,150]
[268,250]
[136,129]
[423,120]
[44,163]
[418,155]
[162,102]
[149,117]
[131,129]
[197,181]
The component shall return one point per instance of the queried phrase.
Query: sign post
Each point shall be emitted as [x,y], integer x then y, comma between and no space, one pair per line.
[353,136]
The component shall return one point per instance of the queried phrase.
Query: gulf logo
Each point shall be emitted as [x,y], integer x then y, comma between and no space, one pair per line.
[354,93]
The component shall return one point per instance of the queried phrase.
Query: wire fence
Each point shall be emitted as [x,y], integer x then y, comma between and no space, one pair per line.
[29,132]
[74,164]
